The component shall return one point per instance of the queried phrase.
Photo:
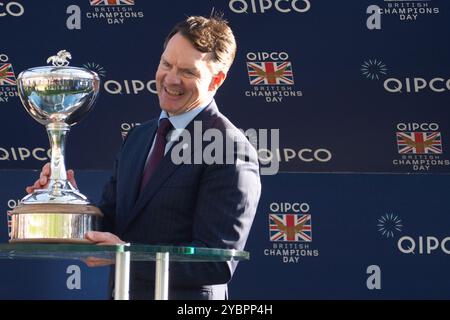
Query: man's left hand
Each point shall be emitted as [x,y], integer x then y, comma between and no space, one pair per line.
[101,238]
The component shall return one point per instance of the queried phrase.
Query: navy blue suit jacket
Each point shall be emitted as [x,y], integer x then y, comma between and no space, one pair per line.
[204,205]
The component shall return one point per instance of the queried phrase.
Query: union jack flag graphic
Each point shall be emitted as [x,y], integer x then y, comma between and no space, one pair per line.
[290,227]
[7,77]
[270,73]
[419,142]
[112,2]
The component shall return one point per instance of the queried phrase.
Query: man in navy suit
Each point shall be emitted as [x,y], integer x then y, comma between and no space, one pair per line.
[189,202]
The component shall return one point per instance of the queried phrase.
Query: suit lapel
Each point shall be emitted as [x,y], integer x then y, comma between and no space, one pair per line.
[132,171]
[166,168]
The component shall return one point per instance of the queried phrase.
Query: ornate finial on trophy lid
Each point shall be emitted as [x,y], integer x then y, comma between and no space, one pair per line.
[60,59]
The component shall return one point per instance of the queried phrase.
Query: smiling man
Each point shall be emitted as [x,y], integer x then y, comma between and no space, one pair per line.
[186,78]
[152,200]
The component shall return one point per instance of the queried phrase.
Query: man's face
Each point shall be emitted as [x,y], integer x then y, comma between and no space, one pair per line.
[184,79]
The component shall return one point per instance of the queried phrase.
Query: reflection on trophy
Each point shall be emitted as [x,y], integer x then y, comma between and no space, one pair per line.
[58,97]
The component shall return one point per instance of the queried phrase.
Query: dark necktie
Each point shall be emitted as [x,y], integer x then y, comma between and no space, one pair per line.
[158,150]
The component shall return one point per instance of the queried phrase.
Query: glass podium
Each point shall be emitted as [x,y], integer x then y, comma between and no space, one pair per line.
[121,255]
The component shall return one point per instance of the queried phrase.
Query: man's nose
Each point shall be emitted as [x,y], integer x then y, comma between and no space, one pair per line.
[172,77]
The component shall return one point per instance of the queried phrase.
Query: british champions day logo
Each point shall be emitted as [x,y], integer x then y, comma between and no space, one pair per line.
[114,11]
[290,228]
[8,87]
[271,76]
[404,10]
[419,146]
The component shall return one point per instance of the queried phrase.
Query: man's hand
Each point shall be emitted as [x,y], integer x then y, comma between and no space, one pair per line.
[44,179]
[102,238]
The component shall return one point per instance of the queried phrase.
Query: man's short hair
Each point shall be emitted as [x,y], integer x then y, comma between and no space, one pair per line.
[209,35]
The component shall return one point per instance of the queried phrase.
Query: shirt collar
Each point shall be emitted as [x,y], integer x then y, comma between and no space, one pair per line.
[182,120]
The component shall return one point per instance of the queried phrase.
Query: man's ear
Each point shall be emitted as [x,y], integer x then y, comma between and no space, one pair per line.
[217,81]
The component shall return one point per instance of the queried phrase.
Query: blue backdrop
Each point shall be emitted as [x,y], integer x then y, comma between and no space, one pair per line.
[362,109]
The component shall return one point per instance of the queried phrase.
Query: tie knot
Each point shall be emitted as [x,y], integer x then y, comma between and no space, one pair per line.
[164,127]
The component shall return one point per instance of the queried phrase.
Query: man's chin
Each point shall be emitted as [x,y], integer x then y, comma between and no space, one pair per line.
[172,109]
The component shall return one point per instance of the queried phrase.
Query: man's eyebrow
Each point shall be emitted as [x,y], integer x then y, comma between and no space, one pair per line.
[192,69]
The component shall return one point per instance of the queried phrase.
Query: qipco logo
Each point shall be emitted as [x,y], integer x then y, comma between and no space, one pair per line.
[261,6]
[263,56]
[129,86]
[296,207]
[414,126]
[287,154]
[424,245]
[414,85]
[14,9]
[23,154]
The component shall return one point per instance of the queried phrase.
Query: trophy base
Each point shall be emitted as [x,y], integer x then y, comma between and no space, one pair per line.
[53,223]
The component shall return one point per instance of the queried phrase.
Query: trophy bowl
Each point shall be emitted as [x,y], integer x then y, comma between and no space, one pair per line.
[56,96]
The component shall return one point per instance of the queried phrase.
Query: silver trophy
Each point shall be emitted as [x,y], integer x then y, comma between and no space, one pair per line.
[56,96]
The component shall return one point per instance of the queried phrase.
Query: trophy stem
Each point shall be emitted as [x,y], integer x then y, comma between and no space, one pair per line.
[57,133]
